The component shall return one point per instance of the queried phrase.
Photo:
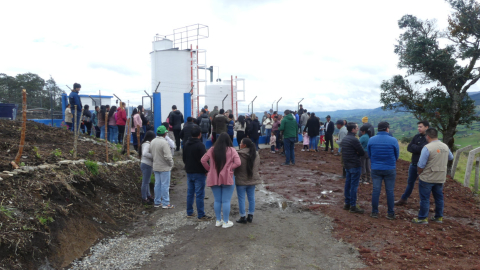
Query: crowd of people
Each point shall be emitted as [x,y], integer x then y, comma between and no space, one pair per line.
[366,157]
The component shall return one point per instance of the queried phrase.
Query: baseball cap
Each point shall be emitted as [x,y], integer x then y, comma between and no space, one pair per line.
[161,130]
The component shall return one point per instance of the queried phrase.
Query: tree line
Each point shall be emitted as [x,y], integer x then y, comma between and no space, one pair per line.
[38,90]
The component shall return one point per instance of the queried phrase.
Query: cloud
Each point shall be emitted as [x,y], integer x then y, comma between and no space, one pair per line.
[114,68]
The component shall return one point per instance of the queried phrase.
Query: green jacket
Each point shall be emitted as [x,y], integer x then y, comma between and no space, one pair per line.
[289,126]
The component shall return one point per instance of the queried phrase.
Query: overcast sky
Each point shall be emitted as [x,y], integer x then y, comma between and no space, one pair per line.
[334,54]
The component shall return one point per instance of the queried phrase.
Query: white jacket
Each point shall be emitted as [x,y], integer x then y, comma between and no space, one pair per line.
[268,123]
[171,143]
[147,157]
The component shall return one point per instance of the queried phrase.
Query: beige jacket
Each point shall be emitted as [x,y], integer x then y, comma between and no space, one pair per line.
[162,156]
[68,115]
[435,171]
[241,176]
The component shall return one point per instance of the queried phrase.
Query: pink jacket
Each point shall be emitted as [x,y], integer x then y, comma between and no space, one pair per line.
[226,175]
[137,121]
[273,140]
[306,139]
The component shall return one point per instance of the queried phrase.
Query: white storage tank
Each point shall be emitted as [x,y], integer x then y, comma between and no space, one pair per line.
[172,68]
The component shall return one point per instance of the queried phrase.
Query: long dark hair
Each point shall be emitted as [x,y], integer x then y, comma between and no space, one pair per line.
[140,107]
[220,151]
[135,111]
[112,111]
[252,151]
[149,136]
[241,119]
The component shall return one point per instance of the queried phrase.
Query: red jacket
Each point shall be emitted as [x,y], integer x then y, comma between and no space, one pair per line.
[121,117]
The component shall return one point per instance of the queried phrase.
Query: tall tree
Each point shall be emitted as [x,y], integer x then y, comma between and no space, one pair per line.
[443,62]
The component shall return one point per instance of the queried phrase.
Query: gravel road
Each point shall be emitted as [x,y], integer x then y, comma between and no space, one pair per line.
[282,236]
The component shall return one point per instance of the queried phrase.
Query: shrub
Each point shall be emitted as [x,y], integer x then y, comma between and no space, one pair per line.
[406,140]
[57,152]
[92,166]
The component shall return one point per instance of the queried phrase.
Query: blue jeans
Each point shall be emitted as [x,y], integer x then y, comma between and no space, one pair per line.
[196,188]
[425,189]
[205,138]
[412,177]
[102,132]
[162,185]
[314,143]
[268,132]
[339,149]
[222,195]
[113,134]
[146,174]
[389,177]
[250,190]
[289,144]
[351,185]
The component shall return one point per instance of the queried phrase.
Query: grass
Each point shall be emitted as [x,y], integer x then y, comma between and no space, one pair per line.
[37,154]
[6,211]
[92,166]
[57,152]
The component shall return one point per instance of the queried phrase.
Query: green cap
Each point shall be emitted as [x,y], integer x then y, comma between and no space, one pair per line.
[161,130]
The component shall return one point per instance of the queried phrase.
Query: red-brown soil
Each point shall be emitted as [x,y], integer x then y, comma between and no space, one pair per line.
[58,213]
[41,141]
[382,243]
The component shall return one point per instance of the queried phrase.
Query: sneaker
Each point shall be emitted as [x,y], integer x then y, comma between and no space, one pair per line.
[191,216]
[303,150]
[218,223]
[374,215]
[147,202]
[357,210]
[170,206]
[227,225]
[336,154]
[157,205]
[420,221]
[391,216]
[205,218]
[346,207]
[293,164]
[285,164]
[273,152]
[437,219]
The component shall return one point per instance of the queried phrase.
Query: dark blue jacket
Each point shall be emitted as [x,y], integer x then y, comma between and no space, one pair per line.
[74,99]
[383,151]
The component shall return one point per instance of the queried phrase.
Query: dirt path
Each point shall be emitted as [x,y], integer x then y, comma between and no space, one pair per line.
[282,236]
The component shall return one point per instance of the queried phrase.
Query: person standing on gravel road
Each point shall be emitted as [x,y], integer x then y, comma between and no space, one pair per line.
[246,177]
[352,150]
[171,143]
[432,170]
[205,124]
[136,122]
[193,151]
[415,147]
[121,121]
[74,99]
[95,121]
[329,129]
[175,120]
[68,117]
[289,127]
[162,166]
[341,134]
[384,152]
[371,129]
[146,167]
[223,161]
[186,132]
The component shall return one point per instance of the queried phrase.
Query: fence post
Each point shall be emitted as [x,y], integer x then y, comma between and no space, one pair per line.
[468,170]
[128,136]
[457,158]
[477,172]
[106,135]
[138,138]
[75,129]
[24,126]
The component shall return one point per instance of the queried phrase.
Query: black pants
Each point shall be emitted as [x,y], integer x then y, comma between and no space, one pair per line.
[328,139]
[97,132]
[176,133]
[240,136]
[89,128]
[214,137]
[121,131]
[231,137]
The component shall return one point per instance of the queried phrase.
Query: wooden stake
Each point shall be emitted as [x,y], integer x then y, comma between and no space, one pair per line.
[128,136]
[75,123]
[24,126]
[106,133]
[139,144]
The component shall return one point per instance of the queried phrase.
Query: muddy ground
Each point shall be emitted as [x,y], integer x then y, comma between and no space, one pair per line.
[383,244]
[51,214]
[282,236]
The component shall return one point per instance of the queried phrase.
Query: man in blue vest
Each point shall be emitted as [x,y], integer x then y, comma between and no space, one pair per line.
[74,99]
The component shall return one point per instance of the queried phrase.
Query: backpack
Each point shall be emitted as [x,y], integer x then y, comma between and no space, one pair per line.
[204,124]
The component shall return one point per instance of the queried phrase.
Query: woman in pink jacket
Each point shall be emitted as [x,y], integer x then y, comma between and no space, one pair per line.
[223,160]
[136,121]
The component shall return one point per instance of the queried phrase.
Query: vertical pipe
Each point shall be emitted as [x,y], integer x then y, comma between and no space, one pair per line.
[236,98]
[477,172]
[191,73]
[198,88]
[231,84]
[24,126]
